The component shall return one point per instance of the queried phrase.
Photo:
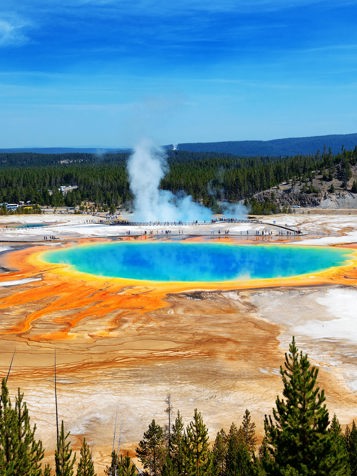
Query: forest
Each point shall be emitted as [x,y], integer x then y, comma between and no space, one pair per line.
[300,439]
[34,180]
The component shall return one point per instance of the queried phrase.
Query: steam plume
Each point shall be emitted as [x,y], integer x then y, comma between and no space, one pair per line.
[146,167]
[237,211]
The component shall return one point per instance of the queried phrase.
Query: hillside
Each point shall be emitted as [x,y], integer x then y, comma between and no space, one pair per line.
[321,190]
[285,147]
[276,147]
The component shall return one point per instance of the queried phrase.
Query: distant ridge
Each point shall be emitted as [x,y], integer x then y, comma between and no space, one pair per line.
[277,147]
[248,148]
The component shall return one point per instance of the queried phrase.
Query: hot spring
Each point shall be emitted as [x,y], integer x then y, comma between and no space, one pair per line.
[194,262]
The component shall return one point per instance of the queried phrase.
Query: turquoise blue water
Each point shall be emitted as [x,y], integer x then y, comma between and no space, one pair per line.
[32,225]
[196,261]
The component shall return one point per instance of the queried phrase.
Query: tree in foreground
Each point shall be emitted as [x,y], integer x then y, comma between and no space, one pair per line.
[339,453]
[85,465]
[169,468]
[126,466]
[198,457]
[64,457]
[20,453]
[239,458]
[297,441]
[151,450]
[233,453]
[247,432]
[351,445]
[113,468]
[121,466]
[219,453]
[176,447]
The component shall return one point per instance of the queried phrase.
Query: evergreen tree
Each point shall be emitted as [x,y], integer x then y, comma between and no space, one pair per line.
[176,449]
[247,432]
[126,466]
[232,450]
[64,457]
[238,458]
[47,470]
[198,458]
[351,445]
[296,437]
[20,453]
[151,450]
[339,453]
[113,468]
[169,468]
[85,465]
[219,453]
[121,466]
[265,459]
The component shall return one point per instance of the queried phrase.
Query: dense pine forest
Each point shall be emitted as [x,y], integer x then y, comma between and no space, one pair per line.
[301,439]
[100,183]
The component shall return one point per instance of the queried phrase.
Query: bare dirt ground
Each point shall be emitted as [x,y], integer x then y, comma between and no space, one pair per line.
[121,350]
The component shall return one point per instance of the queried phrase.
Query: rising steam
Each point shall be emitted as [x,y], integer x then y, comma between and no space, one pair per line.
[236,211]
[146,167]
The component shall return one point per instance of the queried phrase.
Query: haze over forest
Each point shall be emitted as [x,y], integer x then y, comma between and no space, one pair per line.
[257,148]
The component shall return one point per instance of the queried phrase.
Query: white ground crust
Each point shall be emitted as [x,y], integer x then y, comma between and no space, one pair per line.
[316,229]
[17,282]
[323,321]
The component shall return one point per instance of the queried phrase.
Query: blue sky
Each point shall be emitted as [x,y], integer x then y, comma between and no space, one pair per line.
[106,73]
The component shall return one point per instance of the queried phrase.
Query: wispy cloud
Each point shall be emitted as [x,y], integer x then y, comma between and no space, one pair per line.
[199,68]
[157,7]
[12,32]
[224,6]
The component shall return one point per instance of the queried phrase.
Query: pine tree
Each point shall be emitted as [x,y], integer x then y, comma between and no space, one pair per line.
[338,453]
[198,458]
[63,455]
[247,432]
[232,450]
[113,468]
[47,470]
[351,445]
[151,450]
[296,437]
[20,453]
[126,466]
[265,459]
[239,457]
[169,468]
[219,453]
[85,466]
[176,449]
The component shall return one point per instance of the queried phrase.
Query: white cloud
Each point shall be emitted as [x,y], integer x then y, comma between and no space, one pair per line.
[12,33]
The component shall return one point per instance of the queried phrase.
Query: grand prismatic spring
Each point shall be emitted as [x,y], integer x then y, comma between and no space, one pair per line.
[214,340]
[197,262]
